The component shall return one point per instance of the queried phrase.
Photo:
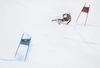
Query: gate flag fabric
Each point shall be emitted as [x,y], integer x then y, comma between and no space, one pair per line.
[25,41]
[85,9]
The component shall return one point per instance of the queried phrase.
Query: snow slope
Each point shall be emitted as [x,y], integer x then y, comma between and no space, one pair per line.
[52,45]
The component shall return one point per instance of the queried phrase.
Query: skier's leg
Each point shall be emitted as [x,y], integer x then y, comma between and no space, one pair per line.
[67,23]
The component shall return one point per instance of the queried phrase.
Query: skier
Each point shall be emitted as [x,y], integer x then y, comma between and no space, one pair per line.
[66,17]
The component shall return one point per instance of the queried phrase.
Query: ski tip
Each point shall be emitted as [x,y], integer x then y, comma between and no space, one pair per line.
[84,25]
[14,56]
[24,60]
[76,22]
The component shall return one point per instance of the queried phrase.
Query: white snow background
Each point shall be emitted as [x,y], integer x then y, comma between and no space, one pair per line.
[52,45]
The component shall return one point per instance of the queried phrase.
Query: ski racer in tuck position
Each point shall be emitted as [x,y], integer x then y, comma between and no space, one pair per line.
[66,18]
